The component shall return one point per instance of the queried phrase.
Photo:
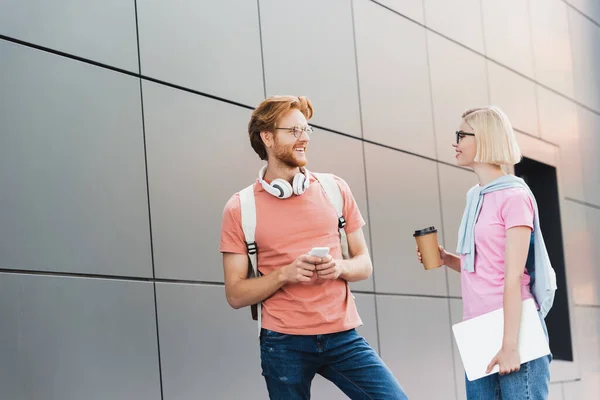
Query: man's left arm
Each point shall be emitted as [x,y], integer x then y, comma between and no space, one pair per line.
[357,268]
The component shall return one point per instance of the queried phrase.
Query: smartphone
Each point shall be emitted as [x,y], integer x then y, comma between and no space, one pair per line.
[319,251]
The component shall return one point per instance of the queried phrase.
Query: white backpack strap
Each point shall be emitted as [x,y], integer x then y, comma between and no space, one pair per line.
[334,194]
[248,213]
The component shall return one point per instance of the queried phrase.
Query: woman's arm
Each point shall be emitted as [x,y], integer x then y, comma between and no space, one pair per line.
[450,260]
[517,248]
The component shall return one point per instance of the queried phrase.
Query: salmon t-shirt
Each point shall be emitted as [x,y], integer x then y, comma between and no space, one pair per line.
[483,289]
[286,229]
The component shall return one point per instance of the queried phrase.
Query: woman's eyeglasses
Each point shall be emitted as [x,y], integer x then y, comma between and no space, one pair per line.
[461,134]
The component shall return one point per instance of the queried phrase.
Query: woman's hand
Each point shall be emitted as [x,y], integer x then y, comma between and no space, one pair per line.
[450,260]
[443,255]
[507,359]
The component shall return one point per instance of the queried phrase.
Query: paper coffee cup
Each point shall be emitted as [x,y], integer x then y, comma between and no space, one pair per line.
[427,242]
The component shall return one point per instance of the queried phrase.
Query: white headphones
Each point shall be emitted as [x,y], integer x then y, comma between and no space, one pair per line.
[281,188]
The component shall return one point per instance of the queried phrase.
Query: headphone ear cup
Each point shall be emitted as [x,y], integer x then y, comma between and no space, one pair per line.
[284,188]
[299,183]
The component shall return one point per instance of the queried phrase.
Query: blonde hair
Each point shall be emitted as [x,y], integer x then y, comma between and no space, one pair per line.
[266,115]
[494,135]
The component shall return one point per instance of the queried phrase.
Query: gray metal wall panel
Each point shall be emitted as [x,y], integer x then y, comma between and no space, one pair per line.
[102,31]
[516,96]
[405,201]
[590,8]
[588,341]
[551,45]
[199,155]
[442,17]
[209,46]
[308,50]
[208,350]
[456,314]
[555,392]
[394,79]
[456,87]
[580,237]
[585,48]
[76,338]
[589,131]
[401,321]
[507,34]
[71,167]
[412,9]
[559,124]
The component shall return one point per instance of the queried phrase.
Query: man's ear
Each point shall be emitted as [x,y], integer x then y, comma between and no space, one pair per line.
[267,138]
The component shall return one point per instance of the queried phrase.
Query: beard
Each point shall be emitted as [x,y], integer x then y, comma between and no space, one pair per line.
[286,155]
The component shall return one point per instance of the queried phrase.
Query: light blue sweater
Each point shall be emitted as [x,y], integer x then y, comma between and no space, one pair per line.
[544,285]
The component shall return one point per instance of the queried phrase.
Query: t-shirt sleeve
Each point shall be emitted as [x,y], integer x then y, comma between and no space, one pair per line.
[517,209]
[232,235]
[354,219]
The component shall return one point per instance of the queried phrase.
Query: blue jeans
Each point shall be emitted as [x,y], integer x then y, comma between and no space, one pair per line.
[290,362]
[529,383]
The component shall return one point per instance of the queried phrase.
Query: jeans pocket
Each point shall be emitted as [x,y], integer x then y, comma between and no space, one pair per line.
[270,335]
[274,346]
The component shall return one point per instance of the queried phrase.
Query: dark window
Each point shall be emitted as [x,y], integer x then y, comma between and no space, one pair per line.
[542,180]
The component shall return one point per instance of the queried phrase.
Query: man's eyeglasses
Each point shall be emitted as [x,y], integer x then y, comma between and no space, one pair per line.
[461,134]
[297,131]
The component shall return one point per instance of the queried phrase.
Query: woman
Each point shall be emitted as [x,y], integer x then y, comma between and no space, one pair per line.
[500,222]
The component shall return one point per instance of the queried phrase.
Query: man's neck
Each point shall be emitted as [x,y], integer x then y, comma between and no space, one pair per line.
[280,171]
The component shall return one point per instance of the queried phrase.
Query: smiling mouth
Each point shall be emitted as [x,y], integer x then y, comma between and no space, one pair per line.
[300,150]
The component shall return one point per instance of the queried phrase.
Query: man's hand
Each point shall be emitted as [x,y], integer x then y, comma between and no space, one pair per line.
[507,359]
[329,268]
[299,271]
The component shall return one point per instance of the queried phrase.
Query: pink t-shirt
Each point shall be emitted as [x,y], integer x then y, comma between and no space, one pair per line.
[483,289]
[285,229]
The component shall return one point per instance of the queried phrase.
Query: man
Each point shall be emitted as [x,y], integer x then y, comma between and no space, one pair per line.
[308,313]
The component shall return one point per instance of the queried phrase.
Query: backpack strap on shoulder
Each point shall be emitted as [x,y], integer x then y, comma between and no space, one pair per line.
[248,214]
[334,194]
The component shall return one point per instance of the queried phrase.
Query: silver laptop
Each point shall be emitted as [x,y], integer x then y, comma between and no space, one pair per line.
[479,339]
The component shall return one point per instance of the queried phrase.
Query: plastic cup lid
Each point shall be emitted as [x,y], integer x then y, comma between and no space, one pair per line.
[425,231]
